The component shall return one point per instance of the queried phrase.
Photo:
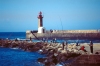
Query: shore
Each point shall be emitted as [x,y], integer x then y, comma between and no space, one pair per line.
[55,52]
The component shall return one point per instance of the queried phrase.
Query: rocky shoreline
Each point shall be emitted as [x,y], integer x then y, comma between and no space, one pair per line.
[55,52]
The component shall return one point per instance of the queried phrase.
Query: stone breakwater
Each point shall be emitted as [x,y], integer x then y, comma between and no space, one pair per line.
[68,34]
[55,52]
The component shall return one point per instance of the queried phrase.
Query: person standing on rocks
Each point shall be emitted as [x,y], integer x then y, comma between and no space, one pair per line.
[43,39]
[77,43]
[55,40]
[30,39]
[91,47]
[63,45]
[66,44]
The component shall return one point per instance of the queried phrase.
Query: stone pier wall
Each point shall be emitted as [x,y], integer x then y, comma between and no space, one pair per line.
[71,34]
[76,31]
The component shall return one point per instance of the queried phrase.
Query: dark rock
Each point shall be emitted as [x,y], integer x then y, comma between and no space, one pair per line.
[97,53]
[41,60]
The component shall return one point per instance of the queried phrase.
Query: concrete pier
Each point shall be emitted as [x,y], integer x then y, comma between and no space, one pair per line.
[69,34]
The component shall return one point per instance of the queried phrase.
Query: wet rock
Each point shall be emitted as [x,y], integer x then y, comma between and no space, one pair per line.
[42,60]
[14,45]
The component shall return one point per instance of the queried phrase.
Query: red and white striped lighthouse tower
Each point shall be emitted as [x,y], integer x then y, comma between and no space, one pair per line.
[41,29]
[40,20]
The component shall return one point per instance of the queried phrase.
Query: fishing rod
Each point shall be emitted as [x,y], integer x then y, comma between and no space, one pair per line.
[61,24]
[10,35]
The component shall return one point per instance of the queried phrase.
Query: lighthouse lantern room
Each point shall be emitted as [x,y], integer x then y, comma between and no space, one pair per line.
[41,29]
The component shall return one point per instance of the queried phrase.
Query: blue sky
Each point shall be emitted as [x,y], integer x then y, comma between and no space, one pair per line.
[21,15]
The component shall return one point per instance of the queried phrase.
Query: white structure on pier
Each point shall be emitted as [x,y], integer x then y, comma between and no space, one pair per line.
[41,29]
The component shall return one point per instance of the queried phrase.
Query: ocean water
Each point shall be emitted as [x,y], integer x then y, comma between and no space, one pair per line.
[16,57]
[13,35]
[22,35]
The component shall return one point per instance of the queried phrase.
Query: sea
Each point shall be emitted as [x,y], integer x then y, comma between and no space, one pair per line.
[22,36]
[18,57]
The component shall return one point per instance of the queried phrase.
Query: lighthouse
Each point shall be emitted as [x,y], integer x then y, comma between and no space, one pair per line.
[41,29]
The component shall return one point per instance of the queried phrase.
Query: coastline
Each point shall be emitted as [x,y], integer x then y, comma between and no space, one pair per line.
[54,51]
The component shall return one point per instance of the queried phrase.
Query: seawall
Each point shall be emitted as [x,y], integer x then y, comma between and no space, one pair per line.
[68,34]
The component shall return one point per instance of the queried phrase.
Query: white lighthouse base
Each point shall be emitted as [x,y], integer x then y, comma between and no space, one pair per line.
[41,30]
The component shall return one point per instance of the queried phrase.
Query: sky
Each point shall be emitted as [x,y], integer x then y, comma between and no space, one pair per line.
[21,15]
